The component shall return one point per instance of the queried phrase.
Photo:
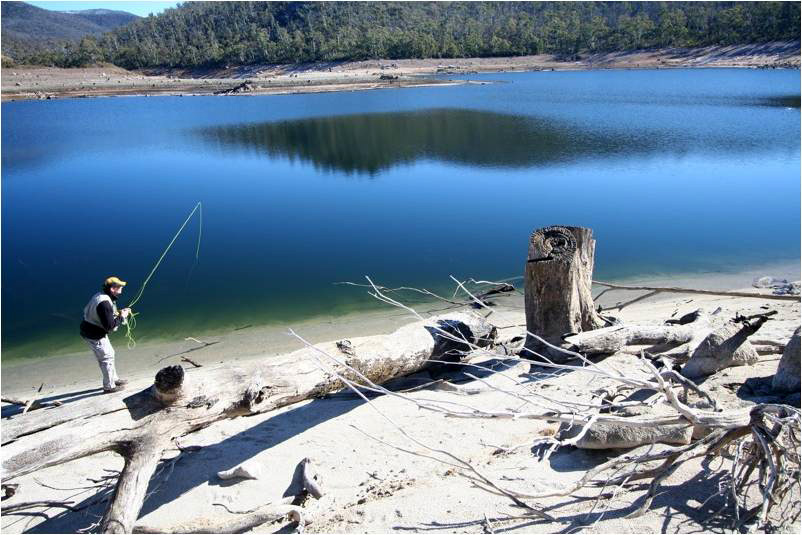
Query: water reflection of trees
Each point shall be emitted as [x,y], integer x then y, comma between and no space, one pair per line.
[370,143]
[785,101]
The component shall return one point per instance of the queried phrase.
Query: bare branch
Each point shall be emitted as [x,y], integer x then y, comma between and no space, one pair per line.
[659,289]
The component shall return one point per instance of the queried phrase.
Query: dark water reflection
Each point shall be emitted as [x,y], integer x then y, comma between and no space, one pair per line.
[372,142]
[784,101]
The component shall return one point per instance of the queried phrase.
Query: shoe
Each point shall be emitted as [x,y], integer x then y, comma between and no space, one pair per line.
[121,382]
[112,390]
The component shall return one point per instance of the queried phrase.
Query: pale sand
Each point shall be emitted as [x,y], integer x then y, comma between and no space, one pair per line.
[26,82]
[372,488]
[79,371]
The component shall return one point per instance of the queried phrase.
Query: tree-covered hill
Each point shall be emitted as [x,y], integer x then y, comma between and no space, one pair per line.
[218,33]
[27,29]
[108,19]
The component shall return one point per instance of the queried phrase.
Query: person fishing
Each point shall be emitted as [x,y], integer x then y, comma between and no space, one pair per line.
[101,317]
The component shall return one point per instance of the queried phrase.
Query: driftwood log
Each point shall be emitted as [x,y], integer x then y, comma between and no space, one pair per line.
[263,515]
[140,426]
[695,341]
[787,377]
[30,404]
[654,290]
[557,280]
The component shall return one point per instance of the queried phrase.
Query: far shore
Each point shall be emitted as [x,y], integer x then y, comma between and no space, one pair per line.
[31,82]
[77,371]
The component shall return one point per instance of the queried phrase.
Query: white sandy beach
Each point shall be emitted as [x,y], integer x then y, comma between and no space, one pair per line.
[370,486]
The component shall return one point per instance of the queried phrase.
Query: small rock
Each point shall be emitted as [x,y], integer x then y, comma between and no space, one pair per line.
[779,286]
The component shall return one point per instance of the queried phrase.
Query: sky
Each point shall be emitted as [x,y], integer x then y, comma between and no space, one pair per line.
[137,8]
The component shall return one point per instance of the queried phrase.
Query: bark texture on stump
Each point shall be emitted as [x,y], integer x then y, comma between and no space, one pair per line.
[557,280]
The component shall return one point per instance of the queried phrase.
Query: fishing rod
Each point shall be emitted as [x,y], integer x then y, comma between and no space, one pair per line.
[131,320]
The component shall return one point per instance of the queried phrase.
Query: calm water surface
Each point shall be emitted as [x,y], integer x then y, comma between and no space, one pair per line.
[675,170]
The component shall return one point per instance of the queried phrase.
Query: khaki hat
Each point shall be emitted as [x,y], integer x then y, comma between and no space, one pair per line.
[114,281]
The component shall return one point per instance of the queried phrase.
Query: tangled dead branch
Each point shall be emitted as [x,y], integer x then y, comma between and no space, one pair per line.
[760,444]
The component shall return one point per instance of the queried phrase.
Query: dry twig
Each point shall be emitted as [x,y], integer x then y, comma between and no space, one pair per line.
[760,445]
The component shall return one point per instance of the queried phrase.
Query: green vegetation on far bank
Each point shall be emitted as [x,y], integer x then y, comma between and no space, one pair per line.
[28,30]
[205,34]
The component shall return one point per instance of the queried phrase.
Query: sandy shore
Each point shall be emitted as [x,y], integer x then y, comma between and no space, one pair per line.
[372,487]
[42,83]
[78,370]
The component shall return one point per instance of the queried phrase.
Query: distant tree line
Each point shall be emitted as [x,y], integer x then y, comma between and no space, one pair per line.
[196,34]
[28,30]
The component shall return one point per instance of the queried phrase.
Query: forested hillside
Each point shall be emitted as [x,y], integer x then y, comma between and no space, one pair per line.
[28,29]
[218,33]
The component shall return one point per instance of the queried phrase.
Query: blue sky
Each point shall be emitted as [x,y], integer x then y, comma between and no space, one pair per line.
[137,8]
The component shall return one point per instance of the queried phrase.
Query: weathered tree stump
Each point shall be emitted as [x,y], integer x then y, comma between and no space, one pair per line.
[557,282]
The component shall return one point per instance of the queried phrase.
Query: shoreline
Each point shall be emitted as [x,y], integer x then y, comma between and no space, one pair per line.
[77,370]
[371,487]
[31,82]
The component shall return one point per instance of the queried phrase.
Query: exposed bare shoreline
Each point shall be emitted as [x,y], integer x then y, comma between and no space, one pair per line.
[372,487]
[20,83]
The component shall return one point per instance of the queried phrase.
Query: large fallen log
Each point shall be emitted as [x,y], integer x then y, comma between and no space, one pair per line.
[787,377]
[697,342]
[140,426]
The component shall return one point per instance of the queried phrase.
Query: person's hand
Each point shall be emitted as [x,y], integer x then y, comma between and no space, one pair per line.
[125,312]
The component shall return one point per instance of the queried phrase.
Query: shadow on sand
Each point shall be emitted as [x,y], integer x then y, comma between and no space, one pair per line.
[11,410]
[186,472]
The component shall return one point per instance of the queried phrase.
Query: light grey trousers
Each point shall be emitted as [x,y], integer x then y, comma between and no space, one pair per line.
[104,353]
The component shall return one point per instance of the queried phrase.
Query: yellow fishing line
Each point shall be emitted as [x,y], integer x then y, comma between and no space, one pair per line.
[130,323]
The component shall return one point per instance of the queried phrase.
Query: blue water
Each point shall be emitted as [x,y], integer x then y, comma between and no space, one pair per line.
[675,171]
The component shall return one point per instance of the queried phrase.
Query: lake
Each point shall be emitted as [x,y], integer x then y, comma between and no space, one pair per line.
[676,171]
